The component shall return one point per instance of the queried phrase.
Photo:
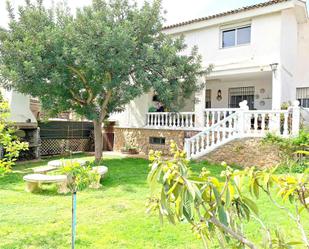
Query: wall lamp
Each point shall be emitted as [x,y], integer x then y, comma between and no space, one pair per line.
[274,66]
[219,95]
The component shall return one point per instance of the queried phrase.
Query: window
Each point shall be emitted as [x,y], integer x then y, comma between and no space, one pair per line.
[238,94]
[236,36]
[157,140]
[302,95]
[208,99]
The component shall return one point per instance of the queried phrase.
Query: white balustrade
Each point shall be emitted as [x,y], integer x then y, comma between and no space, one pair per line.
[215,115]
[170,120]
[212,137]
[224,126]
[258,123]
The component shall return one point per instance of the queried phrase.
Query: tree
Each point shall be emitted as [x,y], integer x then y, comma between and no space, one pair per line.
[217,208]
[97,61]
[9,143]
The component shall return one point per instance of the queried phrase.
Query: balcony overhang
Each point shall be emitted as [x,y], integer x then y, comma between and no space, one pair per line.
[224,72]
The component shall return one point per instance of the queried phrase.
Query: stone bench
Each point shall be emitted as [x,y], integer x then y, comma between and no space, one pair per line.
[102,171]
[43,169]
[35,180]
[60,163]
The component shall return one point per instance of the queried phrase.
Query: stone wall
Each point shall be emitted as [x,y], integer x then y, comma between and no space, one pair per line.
[246,152]
[142,136]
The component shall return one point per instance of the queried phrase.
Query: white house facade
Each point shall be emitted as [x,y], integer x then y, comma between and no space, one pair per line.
[260,60]
[260,57]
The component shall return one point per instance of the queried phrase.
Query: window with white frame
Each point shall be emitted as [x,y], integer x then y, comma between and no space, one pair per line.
[302,95]
[235,36]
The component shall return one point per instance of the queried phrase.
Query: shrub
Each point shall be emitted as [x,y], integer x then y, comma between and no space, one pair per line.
[216,207]
[9,142]
[291,151]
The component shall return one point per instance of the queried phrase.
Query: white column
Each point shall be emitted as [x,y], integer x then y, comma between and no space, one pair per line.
[187,148]
[276,89]
[199,108]
[242,121]
[295,118]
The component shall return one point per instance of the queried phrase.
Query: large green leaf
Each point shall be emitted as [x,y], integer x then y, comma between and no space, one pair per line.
[251,204]
[222,215]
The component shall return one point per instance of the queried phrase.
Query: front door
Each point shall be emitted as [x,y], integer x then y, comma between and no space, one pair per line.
[239,94]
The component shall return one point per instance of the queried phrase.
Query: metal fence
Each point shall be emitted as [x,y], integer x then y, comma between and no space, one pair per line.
[58,137]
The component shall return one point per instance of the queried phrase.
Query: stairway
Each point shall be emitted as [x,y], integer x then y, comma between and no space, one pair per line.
[244,123]
[212,137]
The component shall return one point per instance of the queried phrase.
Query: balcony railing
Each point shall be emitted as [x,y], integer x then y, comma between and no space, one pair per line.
[215,115]
[170,119]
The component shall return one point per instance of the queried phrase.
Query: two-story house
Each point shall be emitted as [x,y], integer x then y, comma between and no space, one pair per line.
[259,53]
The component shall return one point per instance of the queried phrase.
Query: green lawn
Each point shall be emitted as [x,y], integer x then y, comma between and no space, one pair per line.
[111,217]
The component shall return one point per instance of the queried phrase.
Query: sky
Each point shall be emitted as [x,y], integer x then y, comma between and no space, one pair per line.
[177,10]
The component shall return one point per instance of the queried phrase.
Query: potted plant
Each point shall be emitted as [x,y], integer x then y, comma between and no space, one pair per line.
[128,149]
[152,109]
[130,146]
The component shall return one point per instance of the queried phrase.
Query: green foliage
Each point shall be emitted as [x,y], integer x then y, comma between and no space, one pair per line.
[152,109]
[217,208]
[8,140]
[97,61]
[79,176]
[293,151]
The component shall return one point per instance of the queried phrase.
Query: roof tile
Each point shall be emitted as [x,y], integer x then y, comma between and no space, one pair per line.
[246,8]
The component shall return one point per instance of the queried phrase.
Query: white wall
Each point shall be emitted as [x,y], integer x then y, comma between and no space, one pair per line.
[135,112]
[302,70]
[224,86]
[288,55]
[263,49]
[278,35]
[19,105]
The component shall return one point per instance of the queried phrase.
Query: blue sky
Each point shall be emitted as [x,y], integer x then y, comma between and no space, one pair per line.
[177,10]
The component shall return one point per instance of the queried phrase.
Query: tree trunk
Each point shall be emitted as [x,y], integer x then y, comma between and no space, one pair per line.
[98,140]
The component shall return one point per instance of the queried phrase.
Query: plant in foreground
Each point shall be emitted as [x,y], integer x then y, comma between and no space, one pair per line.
[216,208]
[293,151]
[9,143]
[79,178]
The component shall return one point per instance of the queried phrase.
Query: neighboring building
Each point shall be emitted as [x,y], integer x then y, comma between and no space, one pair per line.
[260,54]
[24,119]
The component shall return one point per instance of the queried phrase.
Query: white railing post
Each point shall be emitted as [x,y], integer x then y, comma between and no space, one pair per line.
[242,118]
[199,105]
[147,119]
[187,148]
[295,118]
[206,113]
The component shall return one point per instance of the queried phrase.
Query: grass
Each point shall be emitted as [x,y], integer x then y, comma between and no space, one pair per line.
[111,217]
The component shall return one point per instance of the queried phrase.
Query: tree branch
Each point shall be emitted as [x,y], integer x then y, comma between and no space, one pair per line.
[240,237]
[78,100]
[85,83]
[104,105]
[296,219]
[266,230]
[228,230]
[301,228]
